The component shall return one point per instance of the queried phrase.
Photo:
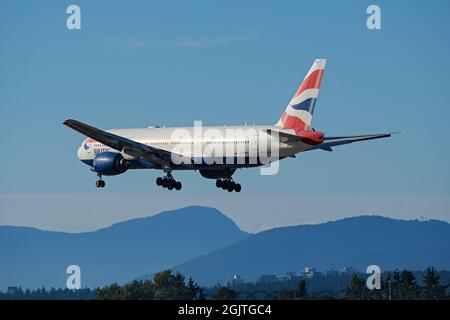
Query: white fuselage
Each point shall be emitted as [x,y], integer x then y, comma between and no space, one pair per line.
[213,143]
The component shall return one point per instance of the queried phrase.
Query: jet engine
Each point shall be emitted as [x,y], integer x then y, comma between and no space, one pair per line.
[110,163]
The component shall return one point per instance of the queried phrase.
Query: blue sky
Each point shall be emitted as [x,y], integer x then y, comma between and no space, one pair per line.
[140,63]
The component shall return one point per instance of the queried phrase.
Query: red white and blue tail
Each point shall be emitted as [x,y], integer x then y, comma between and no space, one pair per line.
[299,112]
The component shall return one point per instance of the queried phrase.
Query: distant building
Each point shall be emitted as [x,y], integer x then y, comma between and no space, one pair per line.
[267,278]
[348,270]
[292,276]
[12,290]
[309,272]
[237,280]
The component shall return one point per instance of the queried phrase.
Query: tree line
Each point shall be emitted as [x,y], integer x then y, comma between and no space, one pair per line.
[166,285]
[400,285]
[50,294]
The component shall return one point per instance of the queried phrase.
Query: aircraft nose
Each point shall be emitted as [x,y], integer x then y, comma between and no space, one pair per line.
[80,152]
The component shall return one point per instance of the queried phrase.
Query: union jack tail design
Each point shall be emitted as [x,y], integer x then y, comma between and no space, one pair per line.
[299,112]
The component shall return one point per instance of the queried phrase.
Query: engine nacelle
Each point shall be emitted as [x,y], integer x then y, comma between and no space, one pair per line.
[110,163]
[217,174]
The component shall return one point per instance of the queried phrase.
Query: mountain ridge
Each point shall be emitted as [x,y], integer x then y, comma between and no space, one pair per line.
[355,241]
[204,243]
[113,254]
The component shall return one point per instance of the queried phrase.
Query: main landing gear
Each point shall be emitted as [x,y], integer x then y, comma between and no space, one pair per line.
[100,183]
[228,184]
[168,182]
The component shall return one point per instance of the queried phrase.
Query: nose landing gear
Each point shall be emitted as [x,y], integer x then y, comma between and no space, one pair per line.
[228,184]
[100,183]
[169,182]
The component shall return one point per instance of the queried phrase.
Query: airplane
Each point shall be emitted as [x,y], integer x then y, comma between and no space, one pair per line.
[217,155]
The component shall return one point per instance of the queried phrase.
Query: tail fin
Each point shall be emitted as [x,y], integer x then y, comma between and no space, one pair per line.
[299,112]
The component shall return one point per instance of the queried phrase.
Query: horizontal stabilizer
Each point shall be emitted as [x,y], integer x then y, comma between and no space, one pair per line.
[328,141]
[338,141]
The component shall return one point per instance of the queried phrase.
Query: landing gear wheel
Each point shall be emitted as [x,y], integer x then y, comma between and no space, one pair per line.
[100,184]
[228,184]
[168,182]
[224,184]
[173,184]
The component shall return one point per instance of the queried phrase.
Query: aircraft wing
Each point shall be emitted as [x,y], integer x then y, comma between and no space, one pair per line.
[122,144]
